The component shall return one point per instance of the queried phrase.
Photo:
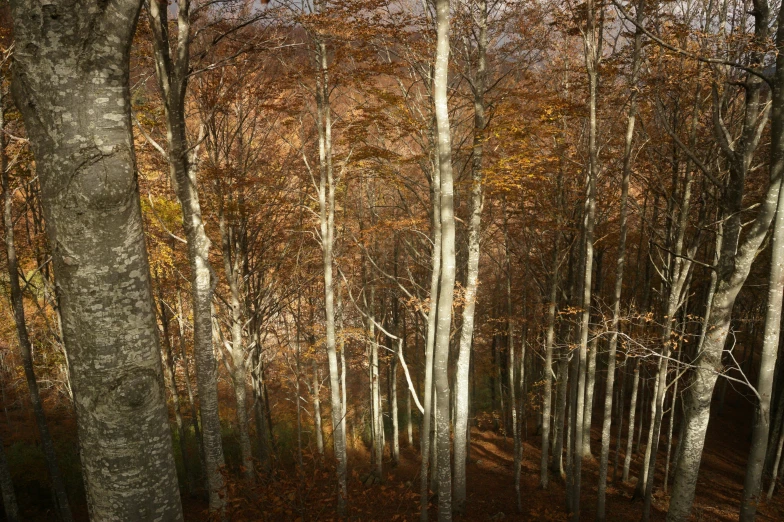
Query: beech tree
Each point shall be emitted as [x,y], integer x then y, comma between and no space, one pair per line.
[91,201]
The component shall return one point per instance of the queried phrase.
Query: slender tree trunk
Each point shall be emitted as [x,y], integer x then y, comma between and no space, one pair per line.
[752,484]
[326,197]
[409,420]
[10,505]
[171,383]
[592,43]
[619,434]
[590,385]
[643,394]
[316,387]
[632,411]
[548,368]
[619,268]
[25,348]
[395,444]
[172,73]
[232,267]
[556,463]
[472,269]
[188,387]
[447,276]
[91,203]
[510,365]
[776,464]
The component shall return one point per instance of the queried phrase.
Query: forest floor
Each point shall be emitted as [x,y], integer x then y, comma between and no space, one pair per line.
[490,483]
[310,494]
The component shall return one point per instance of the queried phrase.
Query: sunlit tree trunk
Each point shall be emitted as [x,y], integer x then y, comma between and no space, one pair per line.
[472,269]
[447,275]
[733,269]
[548,368]
[627,460]
[326,198]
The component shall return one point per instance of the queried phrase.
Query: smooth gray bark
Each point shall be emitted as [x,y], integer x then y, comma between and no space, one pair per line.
[25,346]
[172,71]
[326,198]
[315,390]
[548,368]
[733,269]
[71,57]
[448,266]
[627,460]
[472,269]
[752,484]
[619,268]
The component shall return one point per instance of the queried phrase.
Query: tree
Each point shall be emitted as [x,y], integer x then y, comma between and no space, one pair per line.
[90,197]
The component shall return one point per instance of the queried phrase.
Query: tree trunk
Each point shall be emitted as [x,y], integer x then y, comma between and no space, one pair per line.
[93,217]
[548,368]
[316,387]
[472,268]
[627,460]
[752,484]
[171,383]
[556,463]
[776,464]
[592,47]
[447,275]
[172,73]
[326,197]
[232,268]
[395,445]
[25,348]
[10,505]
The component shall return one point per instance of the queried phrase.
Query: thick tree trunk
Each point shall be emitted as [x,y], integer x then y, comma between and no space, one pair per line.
[90,198]
[698,395]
